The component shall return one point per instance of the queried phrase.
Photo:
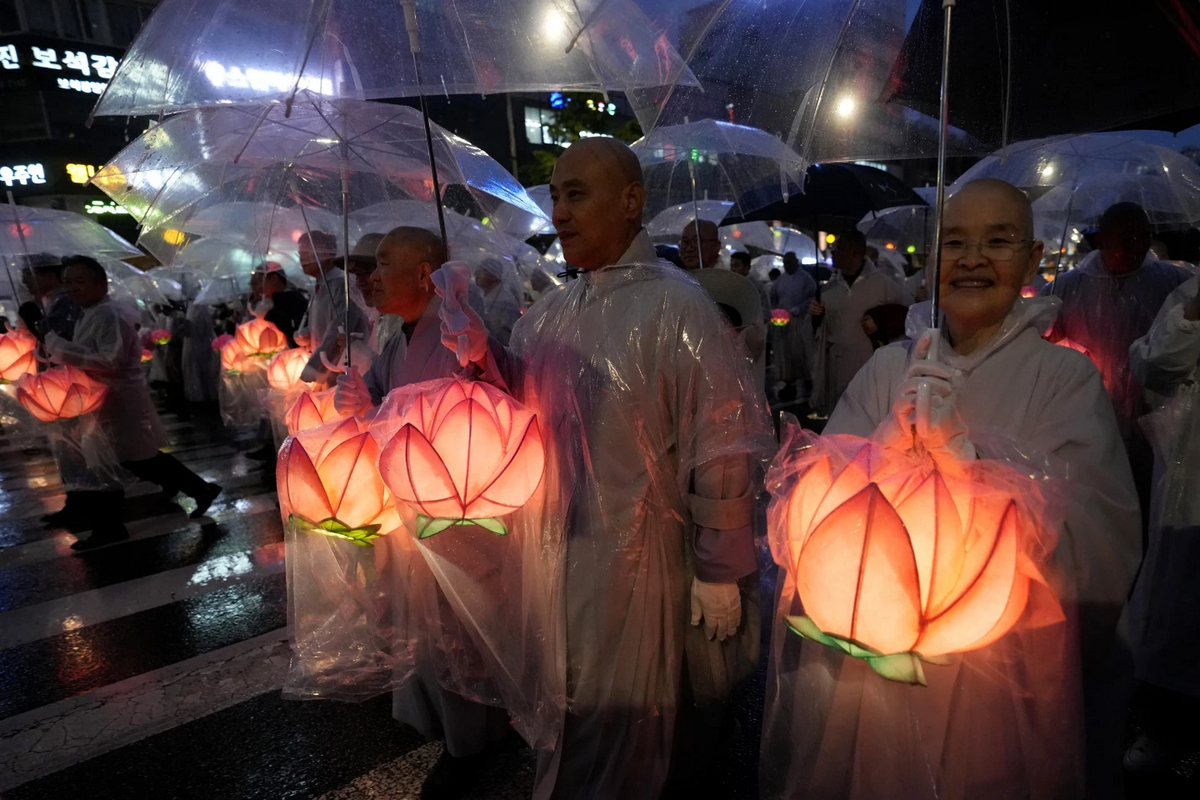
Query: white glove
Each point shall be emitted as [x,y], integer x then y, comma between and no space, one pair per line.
[463,330]
[351,396]
[944,431]
[719,605]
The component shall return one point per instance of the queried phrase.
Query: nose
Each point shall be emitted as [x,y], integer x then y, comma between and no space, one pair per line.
[972,257]
[559,215]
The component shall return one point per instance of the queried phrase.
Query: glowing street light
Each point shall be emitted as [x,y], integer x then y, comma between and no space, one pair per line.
[845,107]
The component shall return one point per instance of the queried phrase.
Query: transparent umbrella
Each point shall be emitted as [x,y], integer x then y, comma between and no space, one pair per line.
[668,223]
[902,226]
[258,51]
[463,231]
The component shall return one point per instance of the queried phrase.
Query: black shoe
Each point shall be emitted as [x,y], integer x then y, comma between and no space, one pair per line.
[59,519]
[451,778]
[100,538]
[205,499]
[265,453]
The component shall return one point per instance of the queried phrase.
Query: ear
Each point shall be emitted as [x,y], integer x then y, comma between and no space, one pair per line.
[633,200]
[1036,251]
[424,271]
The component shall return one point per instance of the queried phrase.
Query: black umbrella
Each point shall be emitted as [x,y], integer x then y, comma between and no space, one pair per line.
[1055,66]
[835,190]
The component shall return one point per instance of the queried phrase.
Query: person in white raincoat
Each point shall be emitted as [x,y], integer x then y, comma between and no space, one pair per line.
[1003,721]
[402,286]
[1165,605]
[840,346]
[793,291]
[327,308]
[654,431]
[501,288]
[106,347]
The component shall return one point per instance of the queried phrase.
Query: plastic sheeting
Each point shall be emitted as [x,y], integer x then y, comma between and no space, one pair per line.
[998,714]
[653,426]
[1166,598]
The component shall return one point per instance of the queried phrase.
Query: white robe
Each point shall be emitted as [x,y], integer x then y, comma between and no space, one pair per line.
[201,364]
[653,424]
[1002,721]
[326,313]
[1165,606]
[106,347]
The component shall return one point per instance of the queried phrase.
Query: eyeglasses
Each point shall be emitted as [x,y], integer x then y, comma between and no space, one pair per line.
[997,249]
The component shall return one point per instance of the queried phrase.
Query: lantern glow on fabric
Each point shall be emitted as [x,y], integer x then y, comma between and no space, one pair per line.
[283,371]
[780,317]
[59,393]
[16,356]
[465,454]
[160,336]
[330,484]
[897,560]
[311,410]
[259,338]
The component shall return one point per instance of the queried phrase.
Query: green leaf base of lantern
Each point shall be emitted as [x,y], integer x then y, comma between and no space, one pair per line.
[899,667]
[431,526]
[337,529]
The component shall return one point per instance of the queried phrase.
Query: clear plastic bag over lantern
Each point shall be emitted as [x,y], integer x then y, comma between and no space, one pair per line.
[195,53]
[713,160]
[171,174]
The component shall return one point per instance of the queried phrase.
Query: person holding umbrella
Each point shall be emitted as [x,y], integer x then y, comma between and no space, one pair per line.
[329,309]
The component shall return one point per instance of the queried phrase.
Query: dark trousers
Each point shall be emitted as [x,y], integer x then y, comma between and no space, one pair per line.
[167,471]
[102,510]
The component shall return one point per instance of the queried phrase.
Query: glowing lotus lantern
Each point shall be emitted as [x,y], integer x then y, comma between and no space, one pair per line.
[330,485]
[896,560]
[311,410]
[160,336]
[780,317]
[465,454]
[259,338]
[221,341]
[16,356]
[283,371]
[147,356]
[1028,291]
[234,361]
[59,393]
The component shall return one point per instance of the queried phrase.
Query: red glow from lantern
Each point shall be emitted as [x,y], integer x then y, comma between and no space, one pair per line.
[259,338]
[780,317]
[465,451]
[147,356]
[60,393]
[311,410]
[160,336]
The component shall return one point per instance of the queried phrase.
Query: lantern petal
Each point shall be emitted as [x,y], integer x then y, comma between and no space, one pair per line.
[299,485]
[985,599]
[470,446]
[986,511]
[517,478]
[806,497]
[857,575]
[454,394]
[351,480]
[853,478]
[935,530]
[415,474]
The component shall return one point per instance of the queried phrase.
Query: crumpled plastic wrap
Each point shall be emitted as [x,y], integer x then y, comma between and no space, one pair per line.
[1000,702]
[347,556]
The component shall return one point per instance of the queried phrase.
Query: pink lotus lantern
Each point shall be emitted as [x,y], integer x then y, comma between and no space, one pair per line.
[60,393]
[283,371]
[898,561]
[16,356]
[311,410]
[780,317]
[235,361]
[330,485]
[147,356]
[160,336]
[259,338]
[465,454]
[219,343]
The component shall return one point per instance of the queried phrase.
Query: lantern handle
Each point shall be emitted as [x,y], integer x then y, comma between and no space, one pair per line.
[345,359]
[925,389]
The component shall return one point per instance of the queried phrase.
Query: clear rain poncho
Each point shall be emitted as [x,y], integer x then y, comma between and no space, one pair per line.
[1165,605]
[655,432]
[1041,407]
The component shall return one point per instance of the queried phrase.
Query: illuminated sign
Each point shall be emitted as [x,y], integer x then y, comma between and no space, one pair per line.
[87,87]
[103,207]
[22,174]
[80,173]
[78,70]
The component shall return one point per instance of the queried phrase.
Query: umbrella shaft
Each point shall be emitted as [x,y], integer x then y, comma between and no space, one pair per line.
[934,279]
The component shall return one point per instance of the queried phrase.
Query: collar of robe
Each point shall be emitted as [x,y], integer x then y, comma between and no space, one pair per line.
[1037,313]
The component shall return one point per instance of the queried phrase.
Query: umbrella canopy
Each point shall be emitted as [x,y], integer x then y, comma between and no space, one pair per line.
[1077,178]
[183,175]
[1022,69]
[837,190]
[902,226]
[669,223]
[713,160]
[26,230]
[360,49]
[463,231]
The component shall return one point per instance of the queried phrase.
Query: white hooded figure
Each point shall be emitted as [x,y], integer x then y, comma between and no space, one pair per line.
[840,347]
[328,312]
[654,431]
[1165,606]
[1004,720]
[502,295]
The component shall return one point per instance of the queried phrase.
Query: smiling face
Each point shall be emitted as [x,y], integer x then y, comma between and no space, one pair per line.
[988,229]
[598,196]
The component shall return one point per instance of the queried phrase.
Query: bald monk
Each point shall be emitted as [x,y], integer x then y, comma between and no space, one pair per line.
[655,430]
[700,248]
[1004,720]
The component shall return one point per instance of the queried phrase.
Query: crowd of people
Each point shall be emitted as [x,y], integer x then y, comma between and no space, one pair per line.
[655,385]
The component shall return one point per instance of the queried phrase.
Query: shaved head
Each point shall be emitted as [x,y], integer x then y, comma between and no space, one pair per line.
[405,260]
[426,242]
[701,233]
[993,191]
[598,199]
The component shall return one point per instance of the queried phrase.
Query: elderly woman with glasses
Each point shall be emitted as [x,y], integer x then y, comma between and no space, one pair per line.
[1007,719]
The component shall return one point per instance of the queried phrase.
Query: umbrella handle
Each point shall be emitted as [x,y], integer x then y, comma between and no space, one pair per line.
[925,390]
